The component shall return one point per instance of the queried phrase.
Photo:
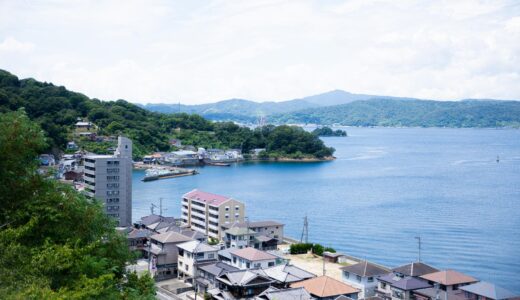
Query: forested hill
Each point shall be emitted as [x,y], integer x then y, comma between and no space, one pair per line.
[56,110]
[423,113]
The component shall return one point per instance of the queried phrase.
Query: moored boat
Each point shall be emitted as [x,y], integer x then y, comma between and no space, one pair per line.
[156,173]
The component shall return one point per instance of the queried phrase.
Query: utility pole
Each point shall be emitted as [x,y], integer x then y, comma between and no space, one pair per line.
[418,238]
[152,207]
[305,231]
[323,257]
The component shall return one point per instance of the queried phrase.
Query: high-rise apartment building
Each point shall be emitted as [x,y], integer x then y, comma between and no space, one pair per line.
[109,179]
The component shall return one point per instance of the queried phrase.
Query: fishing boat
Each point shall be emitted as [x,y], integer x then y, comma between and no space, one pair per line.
[156,173]
[218,164]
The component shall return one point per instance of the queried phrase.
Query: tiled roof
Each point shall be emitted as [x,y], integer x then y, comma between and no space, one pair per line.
[252,254]
[218,268]
[213,199]
[287,273]
[196,246]
[365,269]
[415,269]
[410,284]
[449,277]
[433,292]
[170,237]
[286,294]
[325,286]
[243,277]
[488,290]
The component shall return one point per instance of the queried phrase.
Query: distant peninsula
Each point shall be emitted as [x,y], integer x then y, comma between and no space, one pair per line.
[347,109]
[327,131]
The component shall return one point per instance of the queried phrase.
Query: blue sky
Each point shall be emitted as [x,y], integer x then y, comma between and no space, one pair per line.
[203,51]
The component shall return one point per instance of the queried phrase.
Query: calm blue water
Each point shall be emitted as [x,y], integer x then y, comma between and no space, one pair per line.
[387,186]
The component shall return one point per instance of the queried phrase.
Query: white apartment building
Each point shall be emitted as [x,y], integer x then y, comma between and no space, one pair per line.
[108,178]
[207,212]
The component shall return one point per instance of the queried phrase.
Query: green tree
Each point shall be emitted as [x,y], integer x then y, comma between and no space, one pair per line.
[54,243]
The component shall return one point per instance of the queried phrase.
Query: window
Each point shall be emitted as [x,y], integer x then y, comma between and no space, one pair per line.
[234,260]
[257,266]
[346,274]
[370,279]
[383,285]
[237,215]
[270,264]
[248,265]
[211,255]
[237,207]
[358,278]
[227,216]
[186,267]
[227,208]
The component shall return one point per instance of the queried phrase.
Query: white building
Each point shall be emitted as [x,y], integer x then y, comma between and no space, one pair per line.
[192,254]
[363,276]
[109,179]
[207,212]
[251,258]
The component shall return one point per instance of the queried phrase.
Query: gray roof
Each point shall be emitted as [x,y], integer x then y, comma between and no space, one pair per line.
[217,268]
[289,294]
[243,277]
[411,283]
[170,237]
[139,233]
[389,278]
[343,297]
[239,231]
[226,253]
[415,269]
[488,290]
[432,293]
[287,273]
[366,269]
[196,246]
[255,224]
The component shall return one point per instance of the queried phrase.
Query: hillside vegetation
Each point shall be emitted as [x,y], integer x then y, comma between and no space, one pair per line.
[392,112]
[54,243]
[56,110]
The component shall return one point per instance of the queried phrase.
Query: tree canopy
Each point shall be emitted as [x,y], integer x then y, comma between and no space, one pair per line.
[54,243]
[56,110]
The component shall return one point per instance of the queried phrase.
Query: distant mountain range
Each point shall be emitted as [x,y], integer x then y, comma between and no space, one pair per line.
[344,108]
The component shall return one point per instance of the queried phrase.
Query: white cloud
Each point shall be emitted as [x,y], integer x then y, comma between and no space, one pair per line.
[11,44]
[166,51]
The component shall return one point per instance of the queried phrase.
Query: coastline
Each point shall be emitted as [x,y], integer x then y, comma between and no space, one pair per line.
[288,159]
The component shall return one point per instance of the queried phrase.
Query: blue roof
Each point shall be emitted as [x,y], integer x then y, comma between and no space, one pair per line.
[488,290]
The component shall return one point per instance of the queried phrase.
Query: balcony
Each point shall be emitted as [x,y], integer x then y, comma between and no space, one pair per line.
[197,214]
[201,223]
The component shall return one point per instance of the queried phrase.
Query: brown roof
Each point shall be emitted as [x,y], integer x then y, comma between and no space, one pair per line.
[449,277]
[252,254]
[324,286]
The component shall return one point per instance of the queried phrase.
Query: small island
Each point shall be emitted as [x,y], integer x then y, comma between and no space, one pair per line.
[327,131]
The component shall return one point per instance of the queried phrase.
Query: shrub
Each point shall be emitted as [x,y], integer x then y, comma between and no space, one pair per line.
[300,248]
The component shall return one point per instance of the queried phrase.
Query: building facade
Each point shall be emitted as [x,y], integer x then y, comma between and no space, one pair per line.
[109,179]
[207,212]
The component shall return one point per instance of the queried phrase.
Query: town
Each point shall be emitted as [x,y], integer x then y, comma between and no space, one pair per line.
[215,251]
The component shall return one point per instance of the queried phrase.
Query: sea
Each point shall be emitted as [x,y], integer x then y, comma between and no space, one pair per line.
[456,189]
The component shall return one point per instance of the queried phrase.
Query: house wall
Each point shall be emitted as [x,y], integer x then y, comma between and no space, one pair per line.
[367,288]
[243,263]
[229,212]
[186,261]
[271,231]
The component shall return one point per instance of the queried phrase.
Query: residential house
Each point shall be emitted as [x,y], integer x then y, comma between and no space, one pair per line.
[138,238]
[486,291]
[285,275]
[273,293]
[241,284]
[327,288]
[192,254]
[183,158]
[251,258]
[268,228]
[207,274]
[84,126]
[394,286]
[363,276]
[164,251]
[206,212]
[449,280]
[414,269]
[239,237]
[435,293]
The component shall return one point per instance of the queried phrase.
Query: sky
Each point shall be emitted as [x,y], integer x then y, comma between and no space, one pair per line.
[203,51]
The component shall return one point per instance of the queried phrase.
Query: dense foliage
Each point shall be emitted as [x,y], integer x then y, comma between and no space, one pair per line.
[392,112]
[54,244]
[301,248]
[279,141]
[57,110]
[327,131]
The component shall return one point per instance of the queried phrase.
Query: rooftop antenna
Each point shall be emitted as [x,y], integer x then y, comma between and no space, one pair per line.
[418,238]
[305,231]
